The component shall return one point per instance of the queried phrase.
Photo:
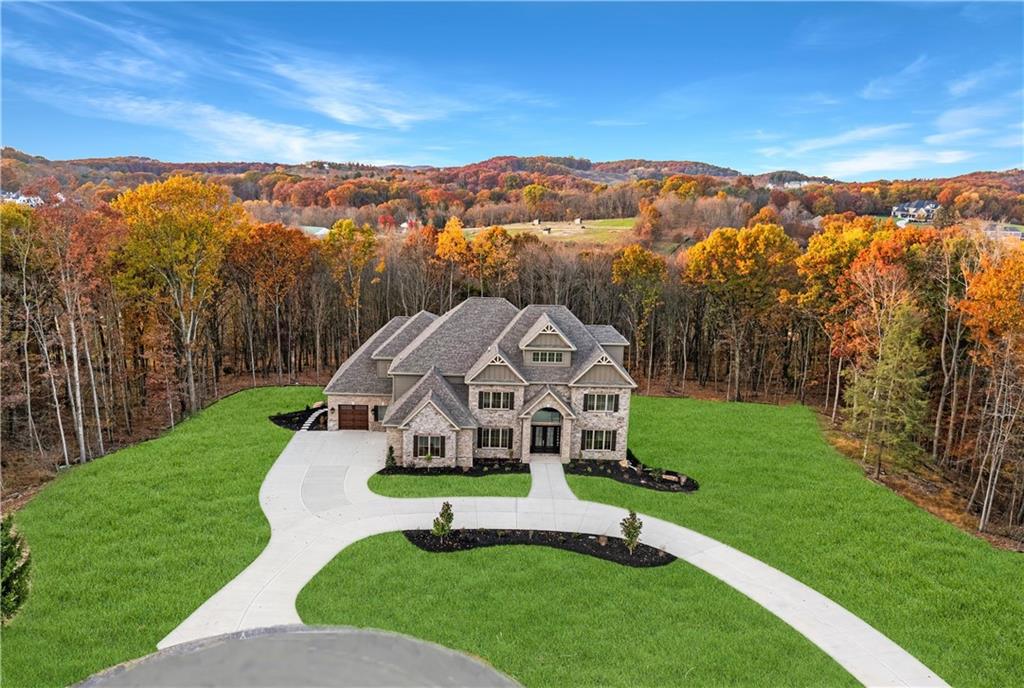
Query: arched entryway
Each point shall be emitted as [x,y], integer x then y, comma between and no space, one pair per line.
[546,432]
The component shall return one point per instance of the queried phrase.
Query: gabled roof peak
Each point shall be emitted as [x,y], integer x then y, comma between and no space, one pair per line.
[545,325]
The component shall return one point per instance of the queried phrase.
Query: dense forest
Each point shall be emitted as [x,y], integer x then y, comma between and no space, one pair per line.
[136,294]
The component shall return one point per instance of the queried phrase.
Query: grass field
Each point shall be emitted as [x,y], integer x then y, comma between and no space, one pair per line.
[604,231]
[553,618]
[770,486]
[126,547]
[512,485]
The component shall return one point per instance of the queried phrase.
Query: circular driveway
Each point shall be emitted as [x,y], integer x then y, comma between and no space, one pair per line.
[303,656]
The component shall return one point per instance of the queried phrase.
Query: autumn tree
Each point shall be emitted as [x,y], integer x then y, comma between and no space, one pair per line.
[453,250]
[641,275]
[994,307]
[829,254]
[348,249]
[745,272]
[492,259]
[534,195]
[177,232]
[272,258]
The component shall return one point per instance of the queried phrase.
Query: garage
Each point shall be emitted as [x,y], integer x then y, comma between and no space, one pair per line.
[353,417]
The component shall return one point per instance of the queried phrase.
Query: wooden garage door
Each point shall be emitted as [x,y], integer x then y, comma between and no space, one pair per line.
[353,417]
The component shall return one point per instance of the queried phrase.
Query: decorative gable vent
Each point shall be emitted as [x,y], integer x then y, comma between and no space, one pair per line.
[544,334]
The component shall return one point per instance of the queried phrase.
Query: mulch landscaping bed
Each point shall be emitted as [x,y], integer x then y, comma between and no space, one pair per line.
[633,472]
[602,547]
[293,420]
[480,468]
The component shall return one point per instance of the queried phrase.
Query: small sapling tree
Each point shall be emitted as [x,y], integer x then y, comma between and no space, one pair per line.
[15,562]
[443,523]
[389,461]
[631,527]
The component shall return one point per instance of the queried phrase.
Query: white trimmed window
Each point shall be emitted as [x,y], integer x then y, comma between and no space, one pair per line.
[600,402]
[494,438]
[428,445]
[546,356]
[495,400]
[599,439]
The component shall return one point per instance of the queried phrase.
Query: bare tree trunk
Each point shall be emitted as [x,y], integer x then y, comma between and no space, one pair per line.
[41,337]
[835,399]
[92,384]
[73,399]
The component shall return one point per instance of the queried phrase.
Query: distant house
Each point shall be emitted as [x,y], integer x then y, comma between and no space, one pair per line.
[915,211]
[998,231]
[21,199]
[314,232]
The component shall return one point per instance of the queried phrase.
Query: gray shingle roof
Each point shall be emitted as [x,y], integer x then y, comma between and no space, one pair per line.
[587,348]
[358,374]
[537,393]
[448,397]
[606,334]
[405,334]
[455,341]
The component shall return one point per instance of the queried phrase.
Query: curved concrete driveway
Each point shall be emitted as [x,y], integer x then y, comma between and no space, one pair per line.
[303,656]
[317,501]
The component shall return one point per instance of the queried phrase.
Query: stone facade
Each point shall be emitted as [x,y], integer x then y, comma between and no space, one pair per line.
[356,400]
[429,422]
[497,418]
[600,420]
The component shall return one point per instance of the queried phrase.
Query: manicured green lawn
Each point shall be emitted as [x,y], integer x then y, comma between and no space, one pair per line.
[771,486]
[552,618]
[126,547]
[511,485]
[612,223]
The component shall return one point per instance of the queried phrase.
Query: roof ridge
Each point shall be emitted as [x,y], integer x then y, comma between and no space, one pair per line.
[353,357]
[410,319]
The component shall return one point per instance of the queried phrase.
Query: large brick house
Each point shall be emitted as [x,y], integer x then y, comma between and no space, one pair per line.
[488,380]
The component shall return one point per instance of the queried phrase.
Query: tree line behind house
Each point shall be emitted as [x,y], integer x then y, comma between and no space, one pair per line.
[146,308]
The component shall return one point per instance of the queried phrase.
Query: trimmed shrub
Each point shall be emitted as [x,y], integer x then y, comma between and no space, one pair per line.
[15,565]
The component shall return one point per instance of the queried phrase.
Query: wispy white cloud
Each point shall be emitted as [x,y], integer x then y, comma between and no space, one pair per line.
[358,97]
[232,135]
[107,67]
[885,160]
[1014,139]
[948,137]
[856,135]
[971,116]
[892,85]
[966,83]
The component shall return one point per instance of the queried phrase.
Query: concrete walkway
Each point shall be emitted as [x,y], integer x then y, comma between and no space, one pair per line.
[317,501]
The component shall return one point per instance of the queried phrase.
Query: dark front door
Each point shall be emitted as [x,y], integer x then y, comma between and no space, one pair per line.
[546,439]
[353,417]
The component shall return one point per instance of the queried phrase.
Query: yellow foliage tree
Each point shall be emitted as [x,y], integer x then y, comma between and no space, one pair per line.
[746,272]
[453,249]
[177,231]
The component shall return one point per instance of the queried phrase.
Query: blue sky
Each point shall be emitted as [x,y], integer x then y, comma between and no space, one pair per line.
[853,91]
